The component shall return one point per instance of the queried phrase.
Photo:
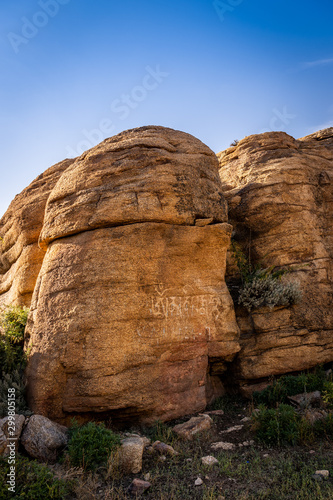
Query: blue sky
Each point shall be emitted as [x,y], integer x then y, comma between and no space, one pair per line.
[77,71]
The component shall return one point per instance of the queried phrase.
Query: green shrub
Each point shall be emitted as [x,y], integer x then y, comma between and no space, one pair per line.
[90,445]
[327,394]
[10,381]
[290,385]
[33,481]
[324,428]
[161,432]
[277,426]
[12,321]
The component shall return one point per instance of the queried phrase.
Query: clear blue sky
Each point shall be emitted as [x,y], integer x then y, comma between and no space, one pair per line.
[77,71]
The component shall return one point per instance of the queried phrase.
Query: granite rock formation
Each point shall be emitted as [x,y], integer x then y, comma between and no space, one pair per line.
[131,316]
[20,256]
[280,194]
[121,256]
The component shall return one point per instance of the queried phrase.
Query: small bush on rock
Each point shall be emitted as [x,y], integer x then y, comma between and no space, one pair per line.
[90,445]
[269,291]
[263,286]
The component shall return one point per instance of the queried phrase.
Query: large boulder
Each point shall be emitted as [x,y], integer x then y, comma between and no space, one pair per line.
[20,256]
[130,315]
[280,193]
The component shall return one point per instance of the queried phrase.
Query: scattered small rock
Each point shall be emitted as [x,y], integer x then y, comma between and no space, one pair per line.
[43,439]
[323,473]
[232,429]
[312,452]
[306,399]
[130,454]
[222,445]
[209,460]
[214,412]
[265,455]
[198,482]
[248,443]
[313,416]
[146,441]
[162,458]
[246,419]
[164,449]
[138,486]
[147,476]
[196,424]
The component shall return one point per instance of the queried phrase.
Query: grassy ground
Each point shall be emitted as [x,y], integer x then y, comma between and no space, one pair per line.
[249,472]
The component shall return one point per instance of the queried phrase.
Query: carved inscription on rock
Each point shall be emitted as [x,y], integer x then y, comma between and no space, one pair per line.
[182,314]
[167,305]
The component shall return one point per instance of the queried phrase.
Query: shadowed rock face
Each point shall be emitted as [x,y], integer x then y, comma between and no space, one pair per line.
[130,308]
[280,195]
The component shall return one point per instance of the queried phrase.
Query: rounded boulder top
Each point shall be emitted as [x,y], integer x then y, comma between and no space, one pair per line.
[147,174]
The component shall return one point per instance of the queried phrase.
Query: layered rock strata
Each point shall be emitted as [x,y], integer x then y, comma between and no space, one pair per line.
[280,195]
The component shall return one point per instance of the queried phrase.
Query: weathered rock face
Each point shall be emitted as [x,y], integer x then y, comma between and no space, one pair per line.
[131,308]
[20,256]
[280,195]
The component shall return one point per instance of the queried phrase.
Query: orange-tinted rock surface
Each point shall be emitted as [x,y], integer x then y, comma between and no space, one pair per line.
[131,309]
[20,256]
[280,195]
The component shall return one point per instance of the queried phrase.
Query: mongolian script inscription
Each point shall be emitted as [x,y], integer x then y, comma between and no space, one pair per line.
[165,305]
